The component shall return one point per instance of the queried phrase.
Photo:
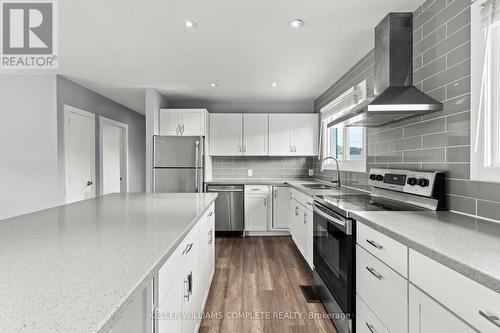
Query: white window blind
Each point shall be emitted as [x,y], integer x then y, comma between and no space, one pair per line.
[485,90]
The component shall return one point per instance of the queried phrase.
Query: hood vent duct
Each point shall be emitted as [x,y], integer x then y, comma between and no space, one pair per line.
[395,96]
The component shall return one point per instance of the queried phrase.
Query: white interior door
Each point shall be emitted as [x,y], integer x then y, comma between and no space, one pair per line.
[111,145]
[79,152]
[113,164]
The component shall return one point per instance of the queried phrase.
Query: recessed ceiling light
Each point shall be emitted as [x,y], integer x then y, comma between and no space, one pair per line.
[274,84]
[213,85]
[190,24]
[296,23]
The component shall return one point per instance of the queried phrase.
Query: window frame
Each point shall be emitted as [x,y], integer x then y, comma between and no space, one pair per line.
[484,141]
[344,165]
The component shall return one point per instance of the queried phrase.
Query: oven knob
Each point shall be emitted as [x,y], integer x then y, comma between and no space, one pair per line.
[379,178]
[373,177]
[412,181]
[423,182]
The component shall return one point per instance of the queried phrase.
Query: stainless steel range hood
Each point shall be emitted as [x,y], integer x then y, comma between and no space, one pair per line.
[395,96]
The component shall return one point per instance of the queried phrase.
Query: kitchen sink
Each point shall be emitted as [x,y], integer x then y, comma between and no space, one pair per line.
[318,186]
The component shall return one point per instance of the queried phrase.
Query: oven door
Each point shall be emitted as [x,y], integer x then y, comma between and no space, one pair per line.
[334,260]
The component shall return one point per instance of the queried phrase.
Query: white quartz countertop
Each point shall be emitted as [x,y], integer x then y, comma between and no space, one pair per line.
[72,268]
[465,244]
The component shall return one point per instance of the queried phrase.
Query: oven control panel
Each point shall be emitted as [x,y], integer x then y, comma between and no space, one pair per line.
[413,182]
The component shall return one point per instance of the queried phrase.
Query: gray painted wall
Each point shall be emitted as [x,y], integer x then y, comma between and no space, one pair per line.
[28,144]
[70,93]
[154,101]
[441,140]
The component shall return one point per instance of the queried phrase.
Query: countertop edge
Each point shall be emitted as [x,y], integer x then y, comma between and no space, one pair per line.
[482,278]
[108,323]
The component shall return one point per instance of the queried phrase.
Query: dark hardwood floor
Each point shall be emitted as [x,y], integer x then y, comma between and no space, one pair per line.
[256,289]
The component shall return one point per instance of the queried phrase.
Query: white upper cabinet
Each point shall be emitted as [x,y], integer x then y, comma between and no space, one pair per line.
[255,134]
[293,134]
[226,132]
[280,134]
[305,134]
[187,122]
[263,134]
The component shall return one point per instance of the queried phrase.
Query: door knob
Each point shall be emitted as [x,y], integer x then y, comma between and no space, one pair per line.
[89,183]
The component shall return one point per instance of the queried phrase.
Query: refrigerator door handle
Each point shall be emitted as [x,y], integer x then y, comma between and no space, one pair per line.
[197,152]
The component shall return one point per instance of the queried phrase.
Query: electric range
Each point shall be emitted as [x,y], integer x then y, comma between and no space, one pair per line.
[335,231]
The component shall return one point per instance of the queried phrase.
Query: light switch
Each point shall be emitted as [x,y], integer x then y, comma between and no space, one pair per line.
[250,172]
[311,172]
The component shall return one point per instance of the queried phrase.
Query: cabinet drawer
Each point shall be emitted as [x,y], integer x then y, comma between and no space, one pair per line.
[309,202]
[391,252]
[466,298]
[366,321]
[256,189]
[383,290]
[170,269]
[298,196]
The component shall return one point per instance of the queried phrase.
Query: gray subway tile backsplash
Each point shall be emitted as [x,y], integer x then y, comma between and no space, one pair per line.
[440,140]
[262,167]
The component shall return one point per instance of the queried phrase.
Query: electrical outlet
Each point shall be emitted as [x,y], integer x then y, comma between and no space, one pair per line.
[311,172]
[250,172]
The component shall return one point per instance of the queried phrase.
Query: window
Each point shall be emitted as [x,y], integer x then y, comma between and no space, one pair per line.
[485,90]
[346,144]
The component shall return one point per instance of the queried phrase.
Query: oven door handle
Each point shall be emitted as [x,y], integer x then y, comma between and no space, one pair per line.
[329,218]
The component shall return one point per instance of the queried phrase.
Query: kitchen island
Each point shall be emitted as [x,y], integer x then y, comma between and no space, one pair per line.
[77,267]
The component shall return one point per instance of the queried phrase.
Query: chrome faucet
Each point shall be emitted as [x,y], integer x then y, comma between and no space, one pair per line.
[335,181]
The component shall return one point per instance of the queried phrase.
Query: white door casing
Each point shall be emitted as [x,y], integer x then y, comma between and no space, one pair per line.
[79,154]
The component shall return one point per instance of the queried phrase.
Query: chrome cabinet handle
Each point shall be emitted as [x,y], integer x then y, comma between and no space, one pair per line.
[265,201]
[89,183]
[296,211]
[375,245]
[210,239]
[374,272]
[188,248]
[491,318]
[186,288]
[371,328]
[305,217]
[211,213]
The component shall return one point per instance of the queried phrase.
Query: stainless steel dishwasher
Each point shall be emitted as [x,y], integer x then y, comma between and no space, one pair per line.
[229,208]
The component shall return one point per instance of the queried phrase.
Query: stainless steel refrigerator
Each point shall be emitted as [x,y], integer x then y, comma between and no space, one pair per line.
[178,164]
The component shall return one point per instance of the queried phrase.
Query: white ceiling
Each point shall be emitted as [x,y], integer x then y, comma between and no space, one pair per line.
[119,47]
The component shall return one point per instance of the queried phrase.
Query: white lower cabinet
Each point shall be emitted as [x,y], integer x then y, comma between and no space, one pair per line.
[281,202]
[256,208]
[427,316]
[434,298]
[184,280]
[309,237]
[301,223]
[383,290]
[474,303]
[366,321]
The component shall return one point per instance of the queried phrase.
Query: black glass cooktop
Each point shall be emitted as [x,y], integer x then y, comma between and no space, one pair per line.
[363,202]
